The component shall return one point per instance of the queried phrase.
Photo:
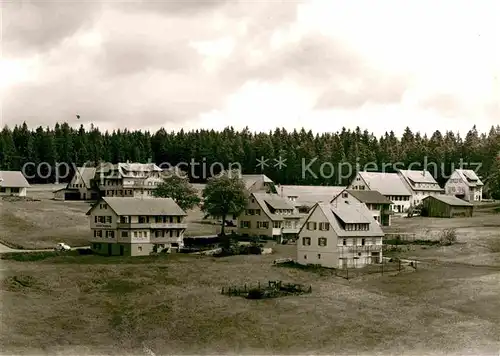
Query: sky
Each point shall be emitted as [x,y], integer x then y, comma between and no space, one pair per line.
[321,64]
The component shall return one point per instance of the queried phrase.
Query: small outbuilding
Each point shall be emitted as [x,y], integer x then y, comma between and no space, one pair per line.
[446,206]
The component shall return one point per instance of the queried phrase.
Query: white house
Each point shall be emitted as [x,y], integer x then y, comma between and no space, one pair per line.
[421,183]
[465,184]
[390,185]
[269,215]
[80,187]
[135,226]
[128,179]
[13,183]
[340,236]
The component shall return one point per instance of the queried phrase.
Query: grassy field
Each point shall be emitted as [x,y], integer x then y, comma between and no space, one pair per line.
[172,305]
[44,222]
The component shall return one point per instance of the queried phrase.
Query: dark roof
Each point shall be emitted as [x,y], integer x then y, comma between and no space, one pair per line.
[369,196]
[450,200]
[142,206]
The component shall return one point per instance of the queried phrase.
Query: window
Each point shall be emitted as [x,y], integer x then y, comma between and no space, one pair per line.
[139,248]
[124,233]
[108,219]
[311,226]
[142,219]
[305,257]
[322,241]
[124,219]
[136,234]
[110,234]
[95,218]
[362,242]
[257,211]
[276,224]
[98,233]
[14,190]
[374,241]
[306,241]
[354,242]
[344,242]
[158,233]
[344,195]
[262,224]
[319,256]
[245,224]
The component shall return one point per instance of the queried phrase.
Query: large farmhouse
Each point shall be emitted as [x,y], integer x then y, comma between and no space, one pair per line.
[421,184]
[80,187]
[390,185]
[465,184]
[136,226]
[340,236]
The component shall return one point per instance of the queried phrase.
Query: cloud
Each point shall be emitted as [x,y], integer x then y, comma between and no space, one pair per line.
[36,26]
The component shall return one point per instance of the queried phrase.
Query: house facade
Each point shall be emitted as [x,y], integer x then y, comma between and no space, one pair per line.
[390,185]
[465,184]
[135,226]
[129,180]
[421,183]
[340,236]
[80,187]
[378,205]
[270,216]
[446,206]
[13,183]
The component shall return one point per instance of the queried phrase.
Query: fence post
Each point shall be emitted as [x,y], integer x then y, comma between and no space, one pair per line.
[347,273]
[382,266]
[399,265]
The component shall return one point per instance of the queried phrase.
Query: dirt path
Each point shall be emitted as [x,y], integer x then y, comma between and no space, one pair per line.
[7,249]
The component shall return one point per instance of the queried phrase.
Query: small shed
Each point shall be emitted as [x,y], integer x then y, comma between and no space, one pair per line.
[446,206]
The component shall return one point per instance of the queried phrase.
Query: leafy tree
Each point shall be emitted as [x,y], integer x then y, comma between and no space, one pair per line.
[177,187]
[224,195]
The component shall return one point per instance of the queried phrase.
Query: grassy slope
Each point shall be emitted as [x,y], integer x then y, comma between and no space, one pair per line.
[173,305]
[42,224]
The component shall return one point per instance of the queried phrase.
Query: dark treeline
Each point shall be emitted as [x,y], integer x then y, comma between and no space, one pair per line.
[21,145]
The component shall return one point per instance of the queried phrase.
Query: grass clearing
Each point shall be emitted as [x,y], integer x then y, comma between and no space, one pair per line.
[40,224]
[172,304]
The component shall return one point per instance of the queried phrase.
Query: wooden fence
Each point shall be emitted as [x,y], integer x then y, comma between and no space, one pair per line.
[271,289]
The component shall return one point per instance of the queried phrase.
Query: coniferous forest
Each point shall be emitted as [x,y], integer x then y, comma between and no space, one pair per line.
[23,148]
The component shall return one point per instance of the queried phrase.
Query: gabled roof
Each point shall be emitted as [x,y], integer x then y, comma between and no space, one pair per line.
[348,213]
[309,194]
[251,179]
[122,169]
[275,201]
[366,196]
[469,177]
[83,175]
[142,206]
[421,177]
[449,200]
[13,179]
[387,184]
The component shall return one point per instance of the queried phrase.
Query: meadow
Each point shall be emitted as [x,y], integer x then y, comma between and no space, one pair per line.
[40,222]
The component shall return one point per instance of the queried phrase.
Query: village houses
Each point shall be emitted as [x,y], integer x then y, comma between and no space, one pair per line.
[13,183]
[128,179]
[269,215]
[390,185]
[304,197]
[80,186]
[340,236]
[379,206]
[465,184]
[136,226]
[421,184]
[446,206]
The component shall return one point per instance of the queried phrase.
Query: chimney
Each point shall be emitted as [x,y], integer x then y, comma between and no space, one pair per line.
[281,191]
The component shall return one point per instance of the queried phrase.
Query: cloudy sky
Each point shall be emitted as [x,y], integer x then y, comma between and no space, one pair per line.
[382,65]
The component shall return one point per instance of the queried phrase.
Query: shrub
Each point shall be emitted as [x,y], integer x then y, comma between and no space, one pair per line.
[448,237]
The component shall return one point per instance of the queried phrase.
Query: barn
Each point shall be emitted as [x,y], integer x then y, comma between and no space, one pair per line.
[445,206]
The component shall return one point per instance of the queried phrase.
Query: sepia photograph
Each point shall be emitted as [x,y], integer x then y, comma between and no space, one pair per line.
[249,177]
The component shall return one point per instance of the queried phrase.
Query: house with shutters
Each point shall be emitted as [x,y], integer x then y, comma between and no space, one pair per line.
[390,185]
[421,184]
[269,216]
[379,206]
[465,184]
[128,180]
[13,183]
[135,226]
[340,236]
